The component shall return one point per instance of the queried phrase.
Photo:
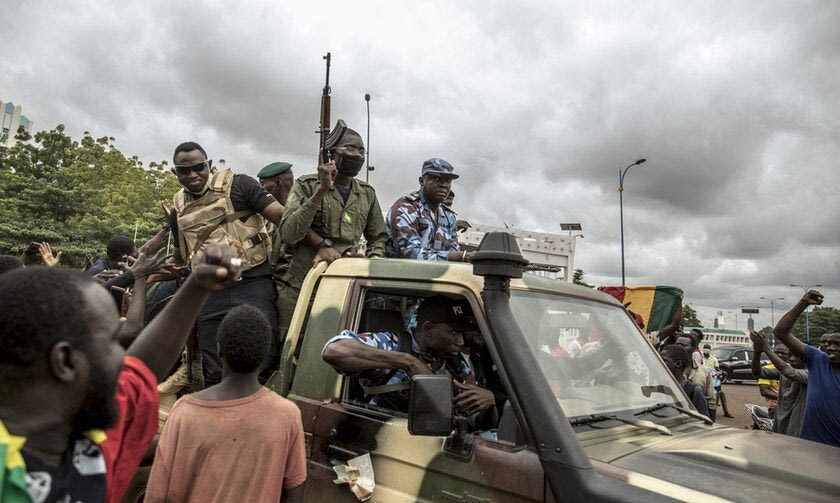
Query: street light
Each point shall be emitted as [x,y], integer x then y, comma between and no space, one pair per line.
[772,318]
[621,174]
[368,167]
[807,321]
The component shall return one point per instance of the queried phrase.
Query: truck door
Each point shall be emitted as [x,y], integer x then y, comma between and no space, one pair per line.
[305,379]
[410,468]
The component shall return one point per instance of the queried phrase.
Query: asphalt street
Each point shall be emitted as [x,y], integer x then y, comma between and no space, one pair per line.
[736,396]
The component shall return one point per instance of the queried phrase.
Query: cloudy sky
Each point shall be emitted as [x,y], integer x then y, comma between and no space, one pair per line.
[736,106]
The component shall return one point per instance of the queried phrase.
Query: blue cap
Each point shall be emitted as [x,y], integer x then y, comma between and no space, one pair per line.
[438,167]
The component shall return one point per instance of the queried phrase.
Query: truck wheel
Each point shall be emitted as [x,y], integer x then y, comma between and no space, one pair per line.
[724,378]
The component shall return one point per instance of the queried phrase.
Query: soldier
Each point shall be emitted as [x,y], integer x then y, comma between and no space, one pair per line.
[277,178]
[222,207]
[462,225]
[337,207]
[419,225]
[384,361]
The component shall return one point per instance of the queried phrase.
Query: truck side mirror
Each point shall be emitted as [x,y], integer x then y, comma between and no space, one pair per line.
[430,406]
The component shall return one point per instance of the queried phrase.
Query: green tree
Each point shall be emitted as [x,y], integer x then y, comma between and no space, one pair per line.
[822,320]
[577,278]
[77,194]
[689,317]
[767,332]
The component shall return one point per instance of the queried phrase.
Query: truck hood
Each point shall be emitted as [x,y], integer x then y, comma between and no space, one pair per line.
[740,465]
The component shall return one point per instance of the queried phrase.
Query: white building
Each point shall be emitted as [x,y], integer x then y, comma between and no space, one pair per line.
[12,119]
[550,255]
[722,336]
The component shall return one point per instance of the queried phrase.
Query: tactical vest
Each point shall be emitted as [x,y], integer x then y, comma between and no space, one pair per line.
[212,219]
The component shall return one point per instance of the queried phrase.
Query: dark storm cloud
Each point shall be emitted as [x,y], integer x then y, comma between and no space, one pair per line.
[537,104]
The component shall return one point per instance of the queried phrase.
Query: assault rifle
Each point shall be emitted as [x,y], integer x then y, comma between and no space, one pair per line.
[325,113]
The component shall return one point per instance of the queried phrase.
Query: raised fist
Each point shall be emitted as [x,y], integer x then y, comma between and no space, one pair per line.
[813,298]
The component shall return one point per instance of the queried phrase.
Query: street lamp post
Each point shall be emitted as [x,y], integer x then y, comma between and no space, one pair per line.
[368,167]
[621,174]
[805,289]
[772,317]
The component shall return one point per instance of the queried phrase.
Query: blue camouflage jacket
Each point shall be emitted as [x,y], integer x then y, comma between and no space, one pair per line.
[388,341]
[416,232]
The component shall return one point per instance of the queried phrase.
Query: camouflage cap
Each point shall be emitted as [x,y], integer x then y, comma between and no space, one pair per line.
[274,169]
[438,167]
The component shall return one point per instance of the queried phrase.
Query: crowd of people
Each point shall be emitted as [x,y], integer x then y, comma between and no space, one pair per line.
[82,380]
[801,383]
[81,385]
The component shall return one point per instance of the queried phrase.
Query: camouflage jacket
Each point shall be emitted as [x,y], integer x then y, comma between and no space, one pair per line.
[415,231]
[344,224]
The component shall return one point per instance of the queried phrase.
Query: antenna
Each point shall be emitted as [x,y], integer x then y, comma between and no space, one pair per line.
[368,167]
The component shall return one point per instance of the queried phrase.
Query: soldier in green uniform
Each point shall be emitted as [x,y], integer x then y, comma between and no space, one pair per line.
[277,178]
[338,207]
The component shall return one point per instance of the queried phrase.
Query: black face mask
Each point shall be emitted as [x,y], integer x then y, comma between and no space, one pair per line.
[350,165]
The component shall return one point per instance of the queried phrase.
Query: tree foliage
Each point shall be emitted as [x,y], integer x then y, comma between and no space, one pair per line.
[822,320]
[577,278]
[77,194]
[689,317]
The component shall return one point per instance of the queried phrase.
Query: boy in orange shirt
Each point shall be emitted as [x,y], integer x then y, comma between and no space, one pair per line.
[235,441]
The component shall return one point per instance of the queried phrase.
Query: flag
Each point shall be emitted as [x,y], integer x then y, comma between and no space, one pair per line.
[13,470]
[655,304]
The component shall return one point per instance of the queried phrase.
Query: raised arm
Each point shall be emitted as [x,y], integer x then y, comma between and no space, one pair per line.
[785,324]
[667,332]
[780,364]
[301,206]
[130,328]
[350,355]
[160,343]
[757,349]
[140,270]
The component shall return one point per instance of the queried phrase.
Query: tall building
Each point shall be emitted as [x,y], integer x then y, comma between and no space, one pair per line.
[12,120]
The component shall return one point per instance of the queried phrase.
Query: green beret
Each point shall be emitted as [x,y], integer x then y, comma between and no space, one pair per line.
[274,169]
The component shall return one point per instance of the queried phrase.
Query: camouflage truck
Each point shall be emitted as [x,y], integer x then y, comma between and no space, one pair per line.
[605,422]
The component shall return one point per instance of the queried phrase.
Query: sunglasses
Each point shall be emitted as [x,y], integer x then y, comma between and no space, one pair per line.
[185,170]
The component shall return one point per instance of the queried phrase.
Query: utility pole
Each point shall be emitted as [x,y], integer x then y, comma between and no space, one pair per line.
[772,316]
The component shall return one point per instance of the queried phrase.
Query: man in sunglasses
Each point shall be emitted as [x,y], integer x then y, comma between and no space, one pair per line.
[232,209]
[419,225]
[338,207]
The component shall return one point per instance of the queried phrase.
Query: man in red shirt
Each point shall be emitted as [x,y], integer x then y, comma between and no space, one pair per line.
[66,378]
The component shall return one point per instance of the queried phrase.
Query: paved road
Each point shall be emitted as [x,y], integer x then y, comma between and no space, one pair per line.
[736,396]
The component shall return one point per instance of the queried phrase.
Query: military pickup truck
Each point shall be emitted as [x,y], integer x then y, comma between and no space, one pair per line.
[592,413]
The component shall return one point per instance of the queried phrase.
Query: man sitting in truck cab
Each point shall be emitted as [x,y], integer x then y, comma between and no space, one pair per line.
[384,361]
[481,396]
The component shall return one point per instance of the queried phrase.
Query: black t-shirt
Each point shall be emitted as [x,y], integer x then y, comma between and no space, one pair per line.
[79,478]
[246,193]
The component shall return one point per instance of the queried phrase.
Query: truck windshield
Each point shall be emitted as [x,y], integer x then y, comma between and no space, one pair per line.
[592,355]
